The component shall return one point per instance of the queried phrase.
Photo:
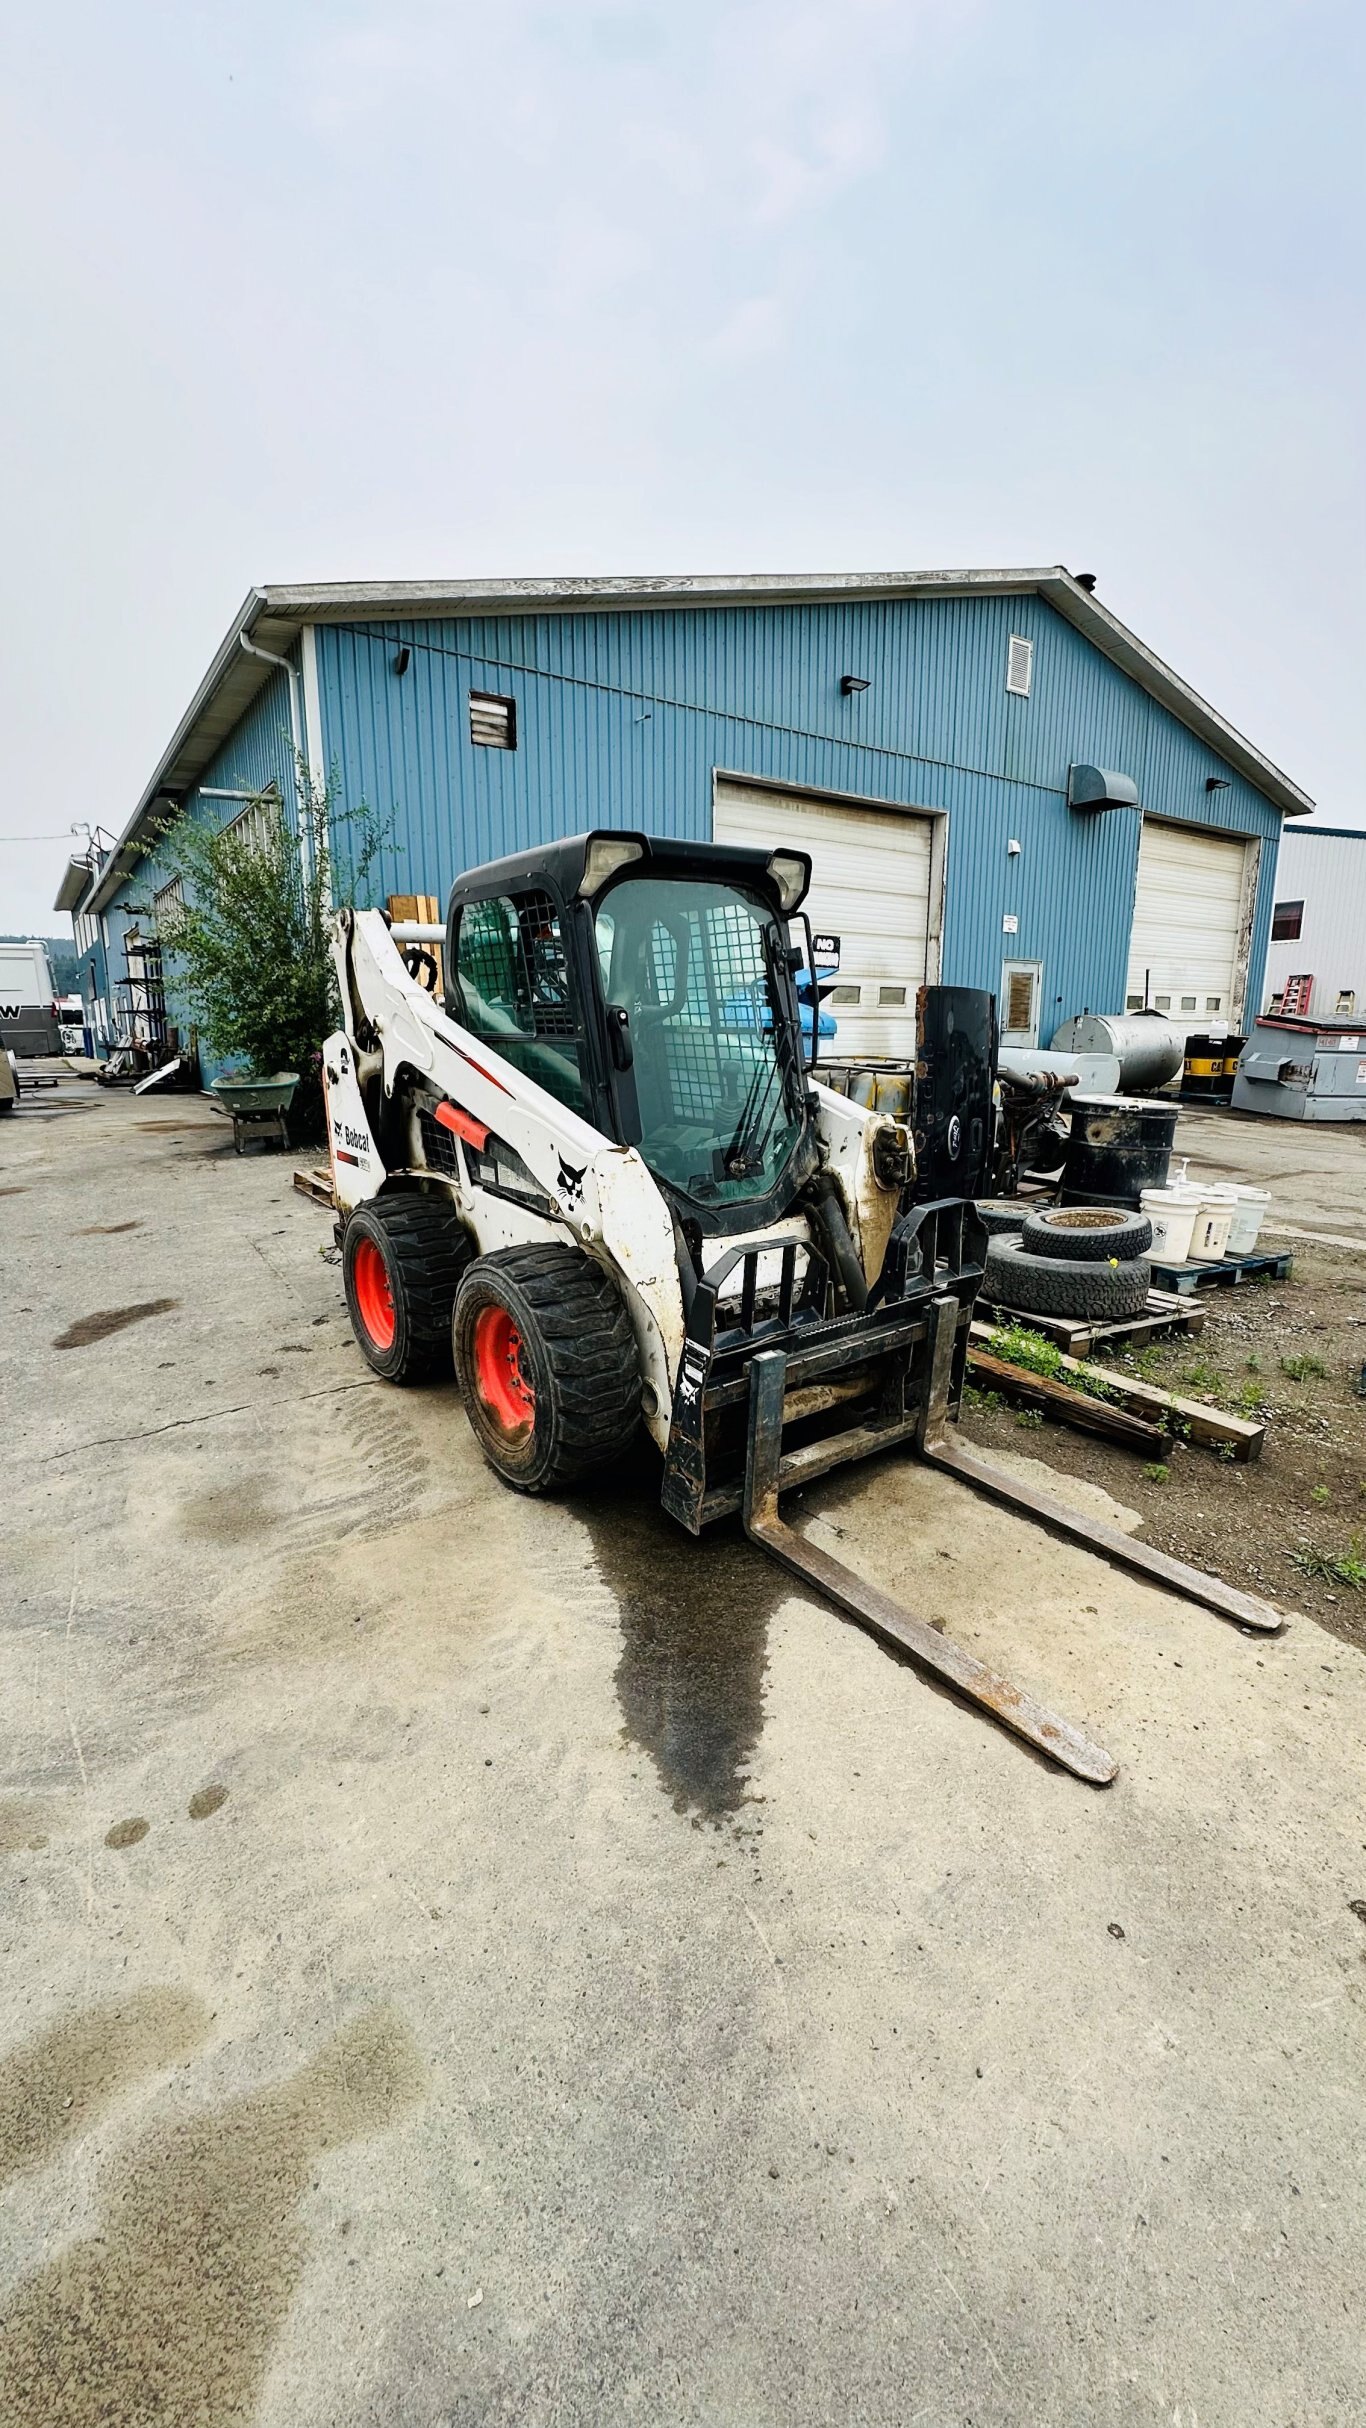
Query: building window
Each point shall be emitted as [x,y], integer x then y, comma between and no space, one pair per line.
[256,826]
[1133,1003]
[1019,665]
[1020,1001]
[891,994]
[168,900]
[493,721]
[1287,919]
[1347,1002]
[1162,1003]
[842,995]
[1188,1003]
[1214,1003]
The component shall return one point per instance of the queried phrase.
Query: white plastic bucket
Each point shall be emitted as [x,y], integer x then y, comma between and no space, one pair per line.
[1209,1234]
[1248,1213]
[1172,1213]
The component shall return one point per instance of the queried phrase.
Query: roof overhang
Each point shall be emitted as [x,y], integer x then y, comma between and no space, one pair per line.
[78,877]
[273,617]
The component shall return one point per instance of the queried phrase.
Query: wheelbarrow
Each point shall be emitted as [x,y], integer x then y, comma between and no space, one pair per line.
[258,1107]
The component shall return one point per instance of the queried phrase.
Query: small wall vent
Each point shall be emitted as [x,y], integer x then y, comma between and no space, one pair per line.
[1019,666]
[493,721]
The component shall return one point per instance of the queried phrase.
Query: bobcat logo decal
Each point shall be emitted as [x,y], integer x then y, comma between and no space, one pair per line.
[571,1182]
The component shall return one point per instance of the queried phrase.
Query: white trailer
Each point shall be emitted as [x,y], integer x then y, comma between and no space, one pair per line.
[28,1017]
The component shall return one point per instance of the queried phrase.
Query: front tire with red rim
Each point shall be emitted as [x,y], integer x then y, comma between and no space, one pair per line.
[402,1258]
[547,1363]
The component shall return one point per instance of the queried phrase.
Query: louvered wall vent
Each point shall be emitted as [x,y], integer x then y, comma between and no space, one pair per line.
[1019,665]
[493,721]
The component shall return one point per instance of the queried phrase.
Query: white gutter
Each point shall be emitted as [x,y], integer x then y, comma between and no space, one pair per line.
[296,738]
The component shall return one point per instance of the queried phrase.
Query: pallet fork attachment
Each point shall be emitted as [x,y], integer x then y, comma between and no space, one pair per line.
[886,1618]
[877,1611]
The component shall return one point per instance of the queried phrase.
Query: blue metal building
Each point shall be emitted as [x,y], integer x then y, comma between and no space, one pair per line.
[1000,784]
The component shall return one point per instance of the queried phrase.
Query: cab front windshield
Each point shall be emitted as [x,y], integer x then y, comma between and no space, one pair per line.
[690,964]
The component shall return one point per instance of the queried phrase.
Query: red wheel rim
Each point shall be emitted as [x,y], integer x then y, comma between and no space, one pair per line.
[499,1378]
[374,1298]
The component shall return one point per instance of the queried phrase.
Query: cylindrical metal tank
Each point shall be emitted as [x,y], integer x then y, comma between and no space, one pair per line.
[1119,1146]
[1097,1074]
[1150,1051]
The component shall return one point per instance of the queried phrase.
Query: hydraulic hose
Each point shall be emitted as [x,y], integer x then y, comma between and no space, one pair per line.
[827,1214]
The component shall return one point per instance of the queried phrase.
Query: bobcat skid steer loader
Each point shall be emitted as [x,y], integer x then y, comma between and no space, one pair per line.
[589,1161]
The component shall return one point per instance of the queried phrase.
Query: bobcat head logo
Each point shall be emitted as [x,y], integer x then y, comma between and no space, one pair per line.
[571,1181]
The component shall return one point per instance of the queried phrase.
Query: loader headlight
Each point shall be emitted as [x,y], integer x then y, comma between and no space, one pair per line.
[604,856]
[791,873]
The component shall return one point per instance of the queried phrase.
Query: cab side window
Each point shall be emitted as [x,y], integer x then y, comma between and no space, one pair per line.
[515,989]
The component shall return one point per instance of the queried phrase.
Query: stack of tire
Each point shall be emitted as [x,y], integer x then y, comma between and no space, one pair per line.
[1087,1261]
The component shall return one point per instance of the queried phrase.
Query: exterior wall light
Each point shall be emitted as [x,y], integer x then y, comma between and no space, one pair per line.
[853,682]
[1218,783]
[403,660]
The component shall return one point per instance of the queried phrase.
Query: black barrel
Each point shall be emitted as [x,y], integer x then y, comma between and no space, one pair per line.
[1119,1146]
[1208,1072]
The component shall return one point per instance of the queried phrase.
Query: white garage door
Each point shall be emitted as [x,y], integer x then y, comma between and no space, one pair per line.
[1183,954]
[870,886]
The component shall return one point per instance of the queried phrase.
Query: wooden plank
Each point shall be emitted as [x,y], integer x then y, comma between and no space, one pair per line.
[1074,1407]
[424,911]
[1215,1426]
[1244,1435]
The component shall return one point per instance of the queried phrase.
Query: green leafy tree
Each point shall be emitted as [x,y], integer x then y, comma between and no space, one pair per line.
[250,943]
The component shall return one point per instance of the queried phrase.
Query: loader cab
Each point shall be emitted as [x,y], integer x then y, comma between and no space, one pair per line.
[648,984]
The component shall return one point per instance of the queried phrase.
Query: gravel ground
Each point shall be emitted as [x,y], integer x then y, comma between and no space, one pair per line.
[1293,1352]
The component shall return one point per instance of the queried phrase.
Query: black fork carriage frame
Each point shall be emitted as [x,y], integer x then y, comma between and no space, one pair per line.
[782,1363]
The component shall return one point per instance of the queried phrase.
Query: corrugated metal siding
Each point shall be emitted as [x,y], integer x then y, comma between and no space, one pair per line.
[1327,873]
[622,718]
[257,753]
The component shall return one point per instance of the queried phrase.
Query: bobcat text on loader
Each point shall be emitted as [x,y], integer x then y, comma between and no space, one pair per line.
[589,1160]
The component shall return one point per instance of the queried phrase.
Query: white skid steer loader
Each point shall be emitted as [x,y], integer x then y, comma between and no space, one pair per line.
[590,1164]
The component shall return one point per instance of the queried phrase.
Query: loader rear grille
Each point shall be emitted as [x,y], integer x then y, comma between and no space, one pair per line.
[439,1151]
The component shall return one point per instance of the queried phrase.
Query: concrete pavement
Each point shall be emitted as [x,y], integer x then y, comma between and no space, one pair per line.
[468,1960]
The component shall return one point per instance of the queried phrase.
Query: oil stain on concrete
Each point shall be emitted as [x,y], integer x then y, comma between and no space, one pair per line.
[229,1514]
[169,2311]
[60,2083]
[24,1825]
[88,1328]
[694,1624]
[108,1230]
[207,1800]
[127,1833]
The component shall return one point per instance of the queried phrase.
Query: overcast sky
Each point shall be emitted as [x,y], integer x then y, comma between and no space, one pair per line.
[294,290]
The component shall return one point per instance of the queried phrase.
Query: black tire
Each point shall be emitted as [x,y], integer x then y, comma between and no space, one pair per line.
[1055,1285]
[415,1250]
[1088,1235]
[547,1363]
[1001,1215]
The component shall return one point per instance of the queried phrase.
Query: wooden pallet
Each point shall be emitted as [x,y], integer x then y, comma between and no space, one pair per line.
[1225,1275]
[1079,1335]
[316,1184]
